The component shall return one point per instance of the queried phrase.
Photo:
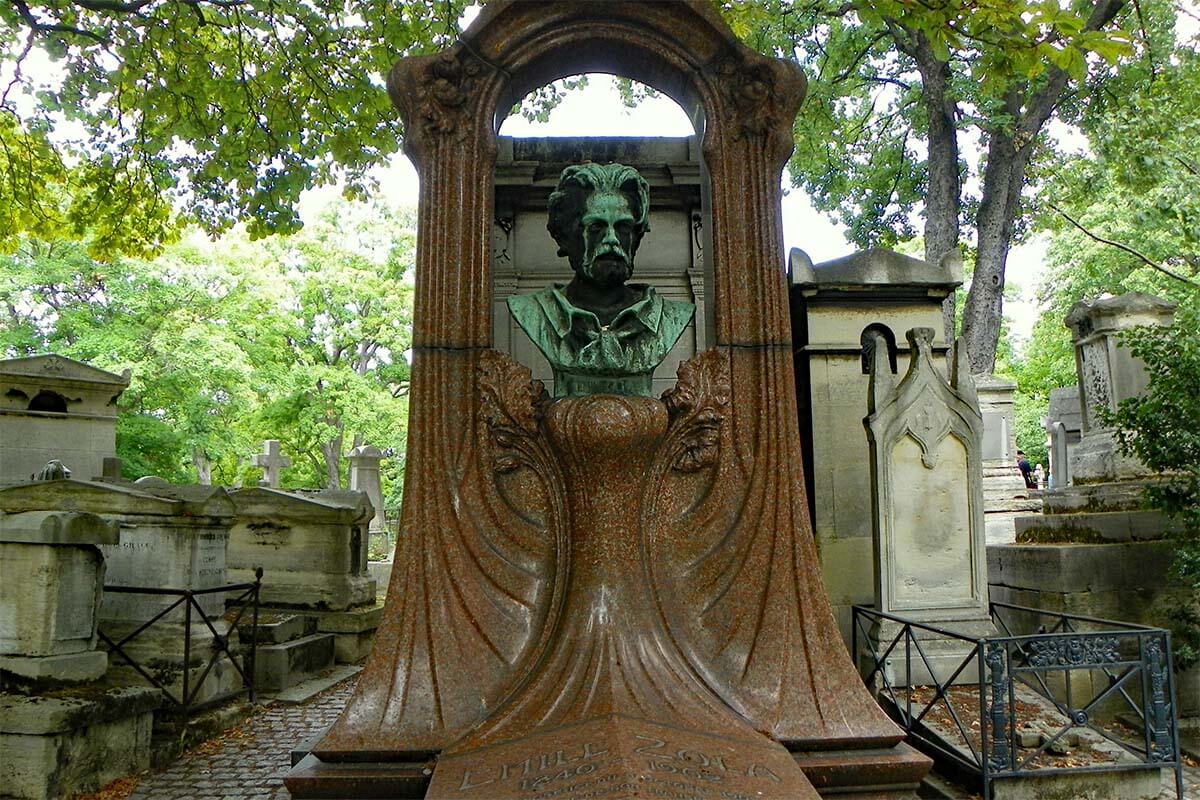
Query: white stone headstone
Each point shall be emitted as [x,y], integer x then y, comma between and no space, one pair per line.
[925,437]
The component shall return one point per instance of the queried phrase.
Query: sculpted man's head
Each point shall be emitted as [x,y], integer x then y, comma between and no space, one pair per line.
[598,215]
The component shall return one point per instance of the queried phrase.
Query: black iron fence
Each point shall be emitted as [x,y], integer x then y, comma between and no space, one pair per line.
[187,700]
[966,709]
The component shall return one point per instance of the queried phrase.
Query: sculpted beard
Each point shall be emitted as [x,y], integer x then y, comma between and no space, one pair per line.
[608,266]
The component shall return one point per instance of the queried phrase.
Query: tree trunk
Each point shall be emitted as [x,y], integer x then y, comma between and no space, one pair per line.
[331,451]
[203,467]
[1009,151]
[1003,180]
[943,196]
[944,192]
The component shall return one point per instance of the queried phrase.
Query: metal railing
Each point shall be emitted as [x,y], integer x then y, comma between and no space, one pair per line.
[186,701]
[1089,671]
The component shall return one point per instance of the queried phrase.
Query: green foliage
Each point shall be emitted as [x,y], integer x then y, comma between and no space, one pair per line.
[229,109]
[1158,427]
[297,338]
[1138,188]
[861,136]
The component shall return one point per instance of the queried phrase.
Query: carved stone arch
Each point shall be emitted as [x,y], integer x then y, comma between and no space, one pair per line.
[743,104]
[475,588]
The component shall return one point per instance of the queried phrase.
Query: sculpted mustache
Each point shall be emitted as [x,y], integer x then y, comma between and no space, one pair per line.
[610,250]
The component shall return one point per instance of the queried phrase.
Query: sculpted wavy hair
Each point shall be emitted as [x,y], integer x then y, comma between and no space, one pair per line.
[579,182]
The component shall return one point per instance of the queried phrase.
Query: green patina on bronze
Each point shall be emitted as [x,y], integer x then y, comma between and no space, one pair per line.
[600,334]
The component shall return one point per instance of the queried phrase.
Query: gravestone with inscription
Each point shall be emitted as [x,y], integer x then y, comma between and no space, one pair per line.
[927,500]
[172,537]
[571,613]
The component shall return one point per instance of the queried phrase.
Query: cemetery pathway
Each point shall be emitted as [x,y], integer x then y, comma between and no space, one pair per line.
[251,760]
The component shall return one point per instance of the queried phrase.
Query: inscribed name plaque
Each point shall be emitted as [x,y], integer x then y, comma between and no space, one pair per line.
[932,557]
[615,757]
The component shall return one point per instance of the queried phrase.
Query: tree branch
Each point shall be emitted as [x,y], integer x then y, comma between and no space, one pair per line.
[1124,247]
[45,27]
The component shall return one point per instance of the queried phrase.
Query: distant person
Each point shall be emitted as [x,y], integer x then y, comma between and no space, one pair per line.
[1026,470]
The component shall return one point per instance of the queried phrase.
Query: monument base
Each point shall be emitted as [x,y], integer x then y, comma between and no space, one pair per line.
[313,779]
[889,773]
[617,757]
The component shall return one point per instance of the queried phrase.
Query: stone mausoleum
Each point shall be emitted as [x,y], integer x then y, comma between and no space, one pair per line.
[53,407]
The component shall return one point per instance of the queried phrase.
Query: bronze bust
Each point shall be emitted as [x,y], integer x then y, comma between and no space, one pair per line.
[600,334]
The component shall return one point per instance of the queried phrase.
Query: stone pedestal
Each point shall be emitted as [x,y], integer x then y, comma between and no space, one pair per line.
[51,578]
[1103,502]
[1005,495]
[364,477]
[927,504]
[61,745]
[1109,373]
[837,307]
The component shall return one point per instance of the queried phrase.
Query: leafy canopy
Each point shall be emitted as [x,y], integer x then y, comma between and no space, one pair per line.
[118,111]
[299,338]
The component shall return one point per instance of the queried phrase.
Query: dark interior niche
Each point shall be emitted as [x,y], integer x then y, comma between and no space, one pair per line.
[48,401]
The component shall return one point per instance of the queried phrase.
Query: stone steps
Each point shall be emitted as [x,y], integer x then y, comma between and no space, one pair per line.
[279,666]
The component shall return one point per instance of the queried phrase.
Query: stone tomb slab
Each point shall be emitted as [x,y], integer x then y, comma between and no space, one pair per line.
[617,757]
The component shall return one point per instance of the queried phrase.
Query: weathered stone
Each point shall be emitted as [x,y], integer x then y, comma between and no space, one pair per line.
[353,630]
[312,547]
[1109,373]
[87,665]
[1002,480]
[271,461]
[51,578]
[364,477]
[53,407]
[927,498]
[836,306]
[172,537]
[54,747]
[1064,427]
[54,527]
[278,666]
[1095,527]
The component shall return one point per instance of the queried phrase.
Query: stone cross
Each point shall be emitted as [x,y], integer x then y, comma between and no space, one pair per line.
[271,461]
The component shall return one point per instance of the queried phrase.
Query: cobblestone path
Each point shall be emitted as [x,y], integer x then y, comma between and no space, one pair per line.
[250,761]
